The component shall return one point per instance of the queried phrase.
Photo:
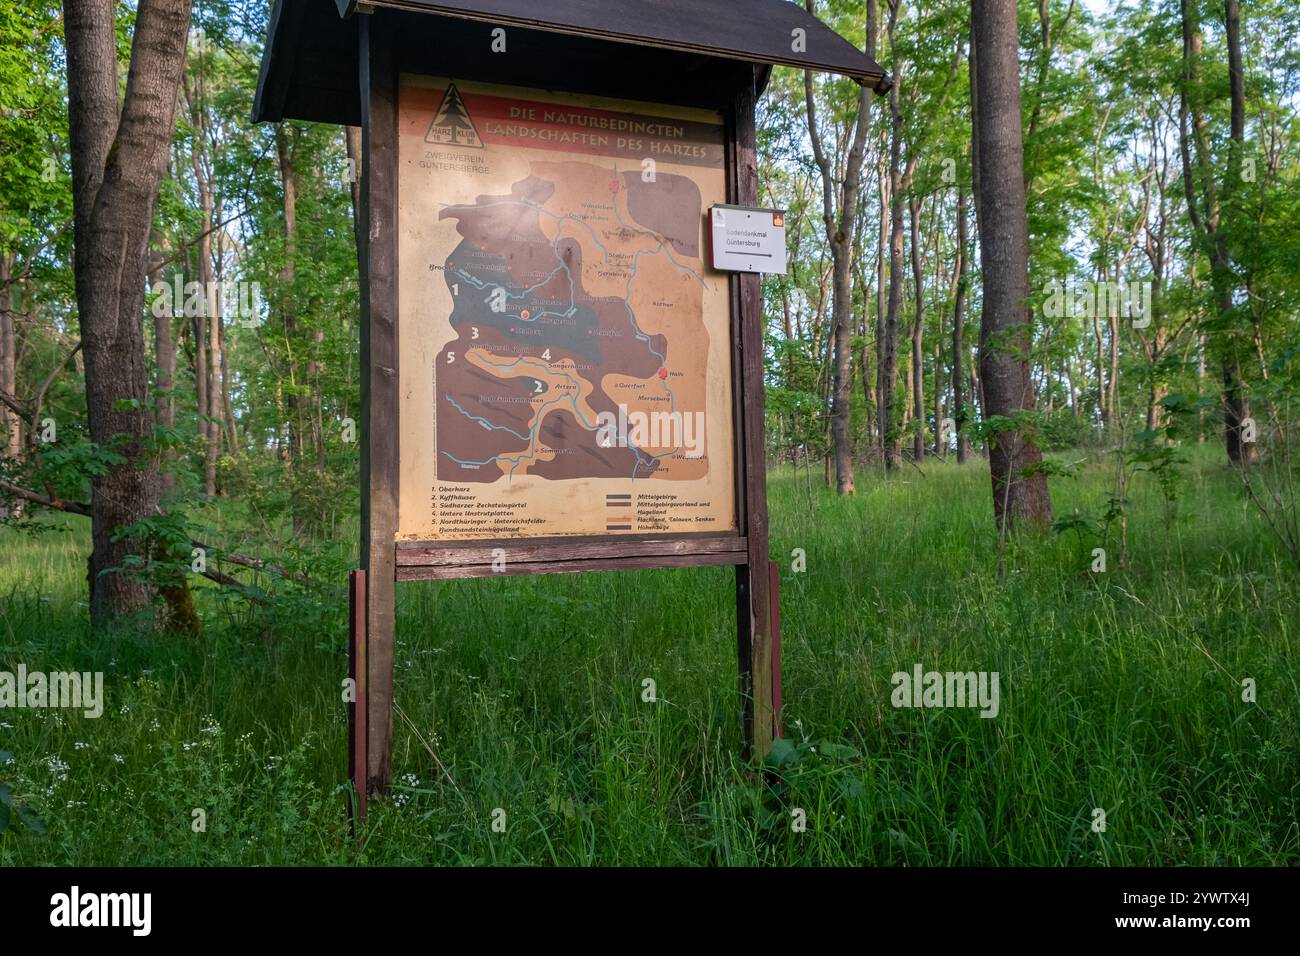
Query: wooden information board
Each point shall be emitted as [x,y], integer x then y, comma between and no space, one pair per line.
[554,377]
[566,356]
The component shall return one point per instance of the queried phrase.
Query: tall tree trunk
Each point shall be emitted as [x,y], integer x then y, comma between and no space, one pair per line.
[10,422]
[918,332]
[352,141]
[1103,412]
[940,436]
[1070,377]
[212,414]
[118,158]
[882,415]
[839,217]
[958,321]
[1112,399]
[1020,494]
[866,371]
[164,351]
[210,322]
[974,124]
[893,442]
[221,370]
[1206,224]
[1237,403]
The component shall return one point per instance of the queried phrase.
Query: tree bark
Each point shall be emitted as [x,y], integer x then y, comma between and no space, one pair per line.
[1020,494]
[209,323]
[1236,407]
[893,439]
[118,158]
[958,333]
[840,218]
[918,333]
[10,422]
[882,415]
[164,351]
[289,184]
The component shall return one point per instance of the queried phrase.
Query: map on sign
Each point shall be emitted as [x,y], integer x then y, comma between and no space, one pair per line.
[565,346]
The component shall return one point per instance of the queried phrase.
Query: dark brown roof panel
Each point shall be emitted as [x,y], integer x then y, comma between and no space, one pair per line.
[309,65]
[758,31]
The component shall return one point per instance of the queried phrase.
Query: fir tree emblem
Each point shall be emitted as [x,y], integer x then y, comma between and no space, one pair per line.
[452,125]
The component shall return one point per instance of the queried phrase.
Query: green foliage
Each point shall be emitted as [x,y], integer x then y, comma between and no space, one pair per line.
[11,810]
[524,694]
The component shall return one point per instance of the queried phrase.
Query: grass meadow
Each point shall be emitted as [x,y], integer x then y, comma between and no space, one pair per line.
[1120,692]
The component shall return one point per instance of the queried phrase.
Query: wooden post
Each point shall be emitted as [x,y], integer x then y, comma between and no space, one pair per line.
[379,385]
[774,595]
[753,620]
[357,713]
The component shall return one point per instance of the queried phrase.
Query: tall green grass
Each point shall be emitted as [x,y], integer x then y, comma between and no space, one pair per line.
[1119,691]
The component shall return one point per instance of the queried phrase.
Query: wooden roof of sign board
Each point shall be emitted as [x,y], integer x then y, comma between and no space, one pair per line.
[309,65]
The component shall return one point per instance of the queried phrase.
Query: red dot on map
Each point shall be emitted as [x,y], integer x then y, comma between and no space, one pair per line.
[524,314]
[663,373]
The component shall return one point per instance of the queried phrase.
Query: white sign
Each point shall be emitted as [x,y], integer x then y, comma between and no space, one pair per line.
[748,240]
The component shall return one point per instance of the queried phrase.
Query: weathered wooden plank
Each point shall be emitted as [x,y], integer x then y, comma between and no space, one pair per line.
[379,359]
[435,555]
[451,572]
[754,625]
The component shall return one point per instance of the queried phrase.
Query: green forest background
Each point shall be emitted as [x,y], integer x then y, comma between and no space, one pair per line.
[1144,629]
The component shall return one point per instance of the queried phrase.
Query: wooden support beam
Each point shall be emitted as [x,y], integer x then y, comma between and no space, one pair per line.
[379,385]
[357,711]
[753,617]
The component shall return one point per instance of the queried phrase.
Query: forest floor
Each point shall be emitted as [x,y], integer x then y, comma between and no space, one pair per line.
[1121,693]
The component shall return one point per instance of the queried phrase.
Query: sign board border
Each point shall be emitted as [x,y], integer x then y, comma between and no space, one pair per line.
[675,548]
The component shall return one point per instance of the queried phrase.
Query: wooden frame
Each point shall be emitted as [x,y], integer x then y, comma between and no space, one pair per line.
[386,561]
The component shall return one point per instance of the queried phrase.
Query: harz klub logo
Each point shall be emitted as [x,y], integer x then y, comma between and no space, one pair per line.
[452,125]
